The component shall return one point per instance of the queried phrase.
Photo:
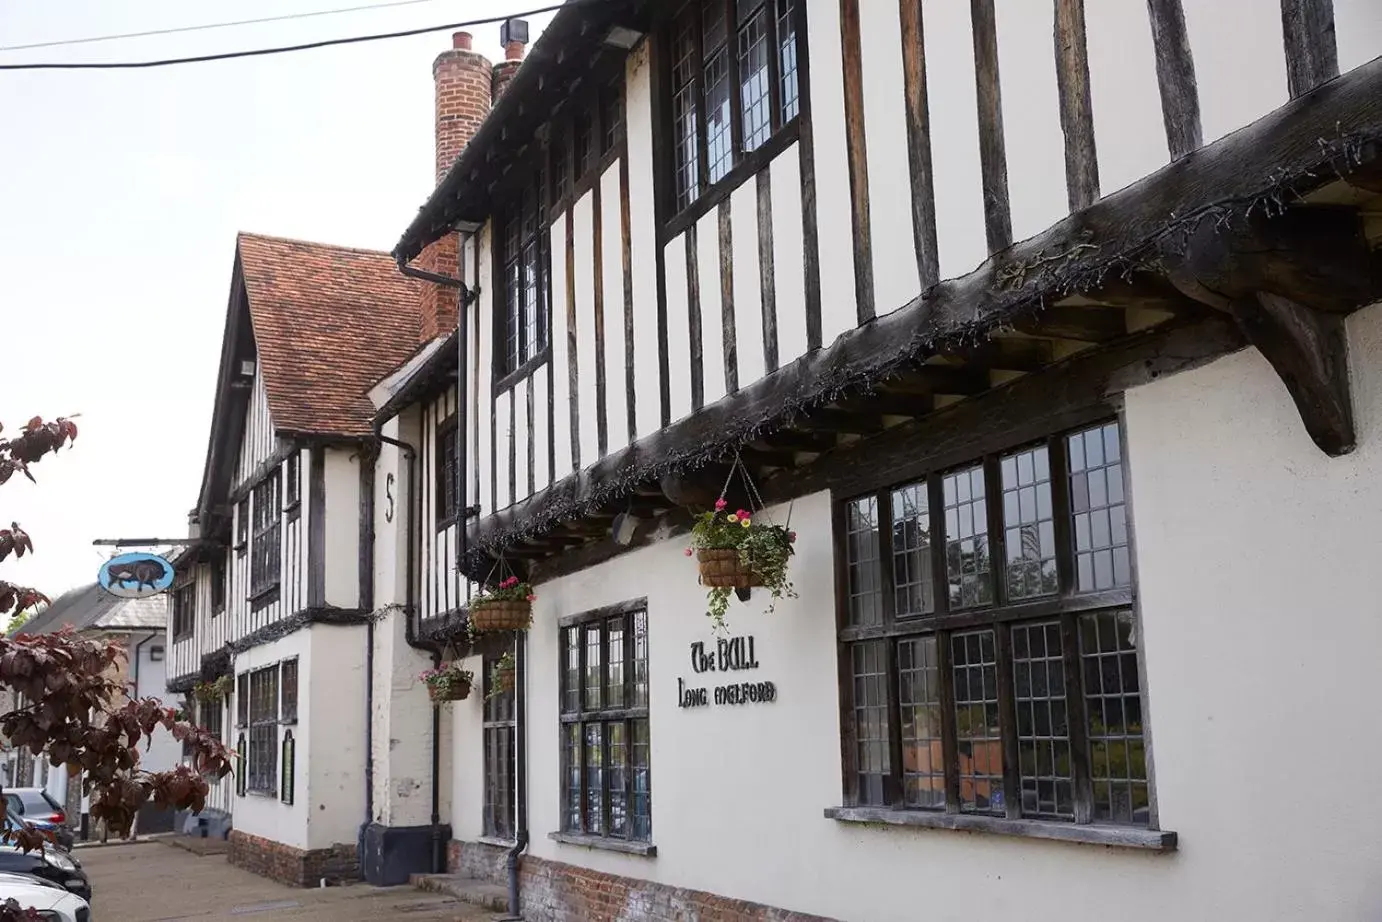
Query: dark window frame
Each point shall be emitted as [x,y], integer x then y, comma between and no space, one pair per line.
[523,290]
[211,714]
[288,691]
[219,570]
[242,700]
[292,485]
[242,526]
[881,643]
[262,757]
[448,484]
[266,543]
[583,708]
[184,610]
[500,727]
[684,68]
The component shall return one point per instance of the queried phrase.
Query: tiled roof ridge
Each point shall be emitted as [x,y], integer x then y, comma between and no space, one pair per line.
[298,241]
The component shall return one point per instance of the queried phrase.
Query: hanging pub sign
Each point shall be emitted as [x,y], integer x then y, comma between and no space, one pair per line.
[135,575]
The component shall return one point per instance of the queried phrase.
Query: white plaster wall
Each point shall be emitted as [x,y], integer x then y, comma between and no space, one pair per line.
[1259,625]
[464,763]
[392,513]
[331,760]
[264,815]
[342,528]
[402,743]
[163,752]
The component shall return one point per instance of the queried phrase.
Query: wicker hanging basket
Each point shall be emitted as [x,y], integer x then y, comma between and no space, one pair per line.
[501,615]
[502,678]
[722,568]
[457,690]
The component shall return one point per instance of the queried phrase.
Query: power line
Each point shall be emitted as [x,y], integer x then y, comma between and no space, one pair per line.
[283,49]
[208,26]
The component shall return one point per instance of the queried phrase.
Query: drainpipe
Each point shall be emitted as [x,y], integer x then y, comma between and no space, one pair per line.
[366,561]
[134,659]
[520,769]
[466,296]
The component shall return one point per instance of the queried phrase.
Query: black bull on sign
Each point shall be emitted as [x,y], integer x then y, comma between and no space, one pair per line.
[141,573]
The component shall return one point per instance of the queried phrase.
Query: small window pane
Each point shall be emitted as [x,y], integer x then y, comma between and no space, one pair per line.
[787,52]
[614,688]
[571,759]
[968,567]
[718,146]
[913,580]
[594,681]
[1029,533]
[594,778]
[1099,514]
[685,147]
[571,692]
[617,767]
[865,581]
[754,77]
[977,733]
[1043,730]
[919,694]
[640,659]
[642,782]
[871,719]
[1117,745]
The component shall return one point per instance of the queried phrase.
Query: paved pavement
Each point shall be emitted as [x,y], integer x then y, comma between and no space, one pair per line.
[155,882]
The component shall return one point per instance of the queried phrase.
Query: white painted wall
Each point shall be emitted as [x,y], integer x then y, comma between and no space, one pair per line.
[1259,622]
[402,715]
[163,751]
[342,528]
[331,750]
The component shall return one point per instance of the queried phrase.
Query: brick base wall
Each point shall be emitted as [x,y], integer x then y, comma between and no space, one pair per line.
[553,891]
[293,866]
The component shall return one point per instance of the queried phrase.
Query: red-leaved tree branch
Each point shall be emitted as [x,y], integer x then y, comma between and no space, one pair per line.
[70,696]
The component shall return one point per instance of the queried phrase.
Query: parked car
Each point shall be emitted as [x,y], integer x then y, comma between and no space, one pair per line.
[54,904]
[50,863]
[37,808]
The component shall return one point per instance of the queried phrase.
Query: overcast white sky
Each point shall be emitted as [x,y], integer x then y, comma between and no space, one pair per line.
[120,196]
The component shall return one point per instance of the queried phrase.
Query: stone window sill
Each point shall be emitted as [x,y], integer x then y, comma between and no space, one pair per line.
[1153,840]
[497,841]
[646,849]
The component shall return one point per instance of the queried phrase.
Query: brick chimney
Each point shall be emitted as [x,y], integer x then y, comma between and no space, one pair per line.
[505,69]
[463,81]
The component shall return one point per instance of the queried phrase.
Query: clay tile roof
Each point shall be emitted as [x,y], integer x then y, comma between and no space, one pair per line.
[328,323]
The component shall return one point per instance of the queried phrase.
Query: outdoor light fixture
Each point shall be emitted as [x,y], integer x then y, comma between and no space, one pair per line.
[247,368]
[623,37]
[468,227]
[623,528]
[155,654]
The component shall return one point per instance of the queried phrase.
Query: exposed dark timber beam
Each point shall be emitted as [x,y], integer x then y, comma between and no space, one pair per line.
[1082,324]
[825,420]
[1076,105]
[1024,355]
[1316,255]
[798,441]
[930,380]
[888,404]
[1175,74]
[1312,55]
[1292,151]
[993,158]
[760,457]
[1309,350]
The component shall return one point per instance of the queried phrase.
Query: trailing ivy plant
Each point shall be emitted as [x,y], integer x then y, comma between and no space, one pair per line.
[505,664]
[764,549]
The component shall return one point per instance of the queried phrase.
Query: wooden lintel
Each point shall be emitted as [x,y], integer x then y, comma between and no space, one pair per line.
[1081,324]
[1309,351]
[799,441]
[909,405]
[827,420]
[1316,256]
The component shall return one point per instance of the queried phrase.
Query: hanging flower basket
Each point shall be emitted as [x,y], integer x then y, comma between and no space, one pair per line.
[448,682]
[722,568]
[501,677]
[507,608]
[214,691]
[736,552]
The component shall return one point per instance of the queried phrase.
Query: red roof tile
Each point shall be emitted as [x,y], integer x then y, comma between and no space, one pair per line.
[329,322]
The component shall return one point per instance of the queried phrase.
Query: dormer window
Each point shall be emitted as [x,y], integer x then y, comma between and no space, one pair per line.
[734,85]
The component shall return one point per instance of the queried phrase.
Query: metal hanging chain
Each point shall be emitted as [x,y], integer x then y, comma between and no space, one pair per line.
[756,503]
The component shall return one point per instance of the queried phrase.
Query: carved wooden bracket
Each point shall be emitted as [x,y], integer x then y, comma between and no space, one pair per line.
[1309,351]
[1288,281]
